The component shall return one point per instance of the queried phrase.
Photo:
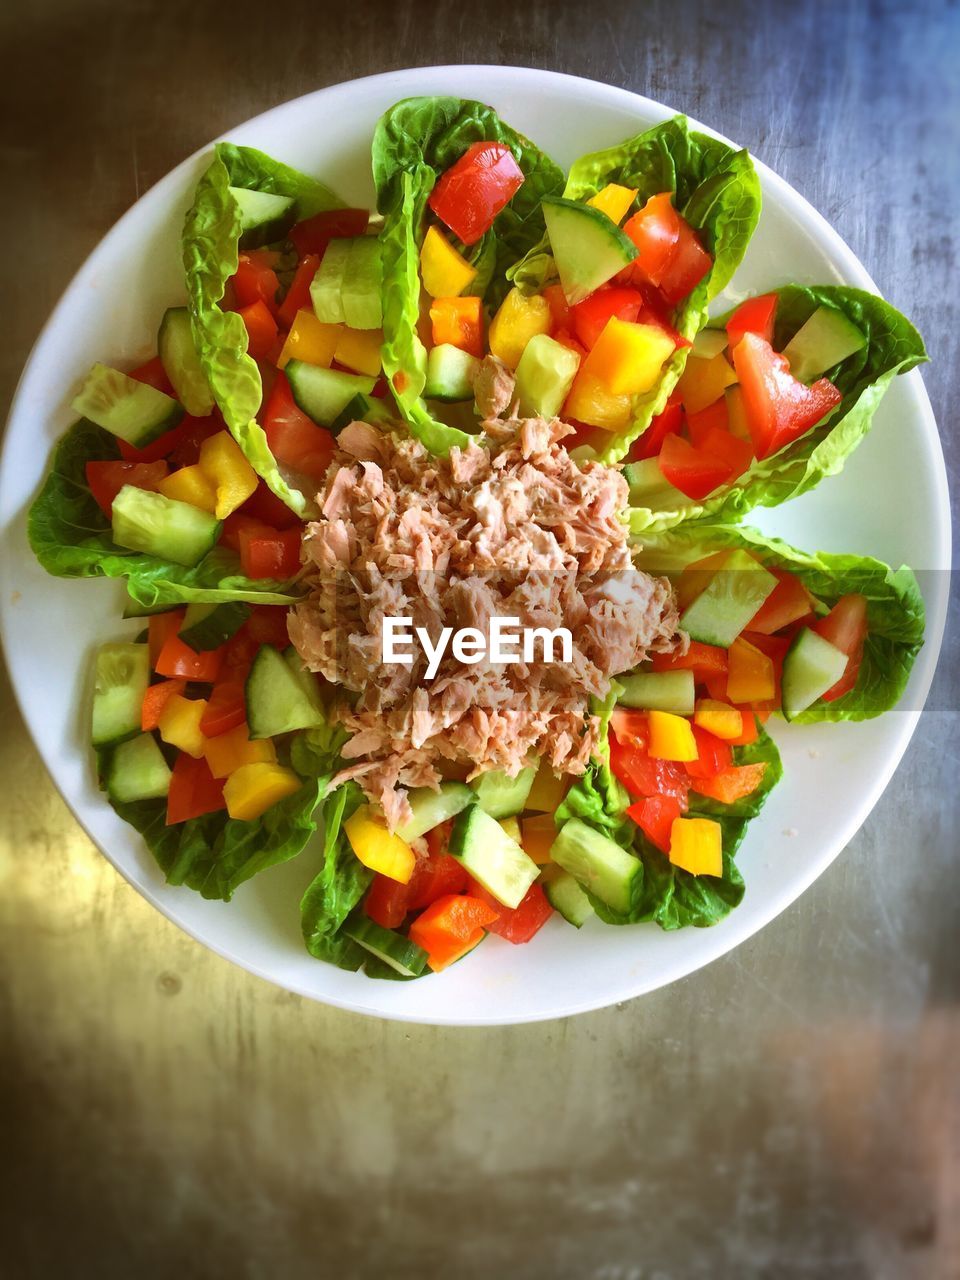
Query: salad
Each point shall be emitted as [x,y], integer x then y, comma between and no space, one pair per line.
[505,394]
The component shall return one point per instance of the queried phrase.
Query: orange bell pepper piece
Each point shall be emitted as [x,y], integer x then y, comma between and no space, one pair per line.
[458,321]
[450,927]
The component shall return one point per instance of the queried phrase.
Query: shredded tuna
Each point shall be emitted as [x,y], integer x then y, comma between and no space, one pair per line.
[494,388]
[516,529]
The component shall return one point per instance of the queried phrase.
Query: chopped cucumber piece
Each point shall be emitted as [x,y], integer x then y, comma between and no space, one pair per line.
[327,284]
[491,856]
[450,373]
[565,896]
[208,626]
[597,863]
[130,410]
[731,598]
[500,795]
[137,771]
[812,666]
[650,488]
[430,808]
[822,342]
[386,944]
[278,696]
[363,408]
[162,527]
[264,217]
[709,343]
[659,691]
[545,375]
[323,394]
[121,676]
[360,293]
[181,363]
[588,247]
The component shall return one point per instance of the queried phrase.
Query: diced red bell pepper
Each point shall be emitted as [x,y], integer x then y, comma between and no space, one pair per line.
[694,472]
[298,295]
[450,927]
[788,602]
[255,279]
[106,479]
[702,659]
[655,230]
[194,790]
[737,454]
[155,699]
[177,659]
[714,417]
[291,434]
[756,315]
[226,707]
[713,755]
[664,424]
[314,234]
[655,816]
[779,408]
[266,507]
[526,919]
[261,330]
[559,307]
[154,375]
[689,264]
[160,627]
[731,784]
[644,776]
[845,626]
[273,555]
[472,192]
[590,317]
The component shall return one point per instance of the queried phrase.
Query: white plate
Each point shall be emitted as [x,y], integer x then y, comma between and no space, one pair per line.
[834,774]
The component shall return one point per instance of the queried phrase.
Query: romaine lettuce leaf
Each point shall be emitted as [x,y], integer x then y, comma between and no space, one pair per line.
[70,536]
[211,237]
[893,346]
[337,888]
[895,609]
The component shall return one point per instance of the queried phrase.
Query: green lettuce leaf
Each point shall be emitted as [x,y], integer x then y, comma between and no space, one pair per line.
[336,890]
[895,609]
[211,236]
[893,346]
[414,142]
[71,538]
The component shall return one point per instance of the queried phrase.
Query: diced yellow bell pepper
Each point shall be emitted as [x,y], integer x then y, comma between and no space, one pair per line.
[310,340]
[627,357]
[233,478]
[696,846]
[589,401]
[718,718]
[512,827]
[378,848]
[359,350]
[671,737]
[704,381]
[231,750]
[614,200]
[520,317]
[192,485]
[750,674]
[695,578]
[538,836]
[548,790]
[737,413]
[445,272]
[254,788]
[179,724]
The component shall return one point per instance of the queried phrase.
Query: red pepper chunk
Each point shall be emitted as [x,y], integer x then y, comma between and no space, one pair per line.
[261,330]
[154,375]
[298,295]
[689,264]
[473,191]
[273,555]
[590,316]
[845,626]
[314,234]
[778,406]
[226,707]
[106,479]
[450,927]
[655,230]
[665,424]
[713,755]
[194,791]
[176,659]
[644,776]
[756,315]
[695,472]
[655,816]
[255,279]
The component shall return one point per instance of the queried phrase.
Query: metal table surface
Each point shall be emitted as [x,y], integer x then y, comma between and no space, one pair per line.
[793,1110]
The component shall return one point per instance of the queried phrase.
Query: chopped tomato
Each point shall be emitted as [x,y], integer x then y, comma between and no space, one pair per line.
[694,472]
[237,523]
[298,295]
[472,192]
[689,264]
[160,628]
[261,329]
[267,624]
[845,626]
[713,755]
[450,927]
[386,902]
[155,699]
[525,920]
[180,446]
[154,375]
[273,555]
[702,659]
[779,408]
[664,424]
[756,315]
[267,507]
[106,479]
[314,234]
[291,434]
[590,317]
[731,784]
[435,877]
[655,230]
[655,815]
[788,602]
[177,659]
[559,307]
[255,279]
[226,707]
[737,454]
[194,790]
[644,776]
[714,417]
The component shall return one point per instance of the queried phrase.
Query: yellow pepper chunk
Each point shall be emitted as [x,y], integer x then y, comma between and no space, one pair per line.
[192,485]
[310,340]
[589,401]
[750,674]
[547,791]
[445,272]
[254,788]
[737,413]
[231,750]
[378,848]
[696,846]
[671,737]
[627,357]
[179,724]
[359,350]
[718,718]
[614,200]
[538,835]
[512,827]
[520,317]
[233,478]
[704,381]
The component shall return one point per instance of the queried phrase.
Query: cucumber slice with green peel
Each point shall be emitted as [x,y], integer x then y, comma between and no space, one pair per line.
[671,691]
[386,944]
[181,363]
[450,373]
[501,796]
[545,375]
[709,343]
[162,527]
[278,697]
[822,342]
[597,863]
[567,898]
[363,408]
[650,488]
[430,808]
[812,666]
[360,292]
[264,217]
[731,598]
[588,247]
[121,677]
[492,857]
[323,394]
[137,771]
[130,410]
[327,285]
[208,626]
